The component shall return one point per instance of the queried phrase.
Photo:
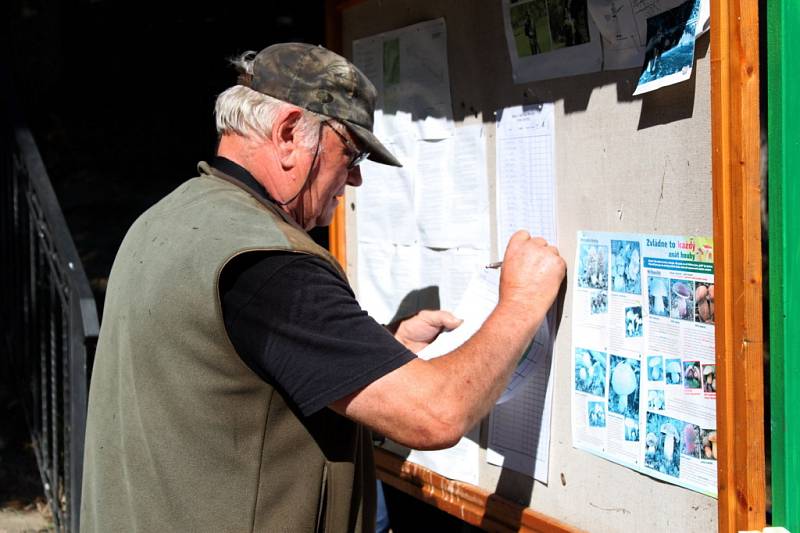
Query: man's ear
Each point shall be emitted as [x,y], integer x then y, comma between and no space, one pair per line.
[286,136]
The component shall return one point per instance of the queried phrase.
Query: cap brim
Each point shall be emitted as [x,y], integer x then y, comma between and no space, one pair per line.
[377,151]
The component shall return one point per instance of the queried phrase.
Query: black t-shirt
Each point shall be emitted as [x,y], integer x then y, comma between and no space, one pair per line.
[297,324]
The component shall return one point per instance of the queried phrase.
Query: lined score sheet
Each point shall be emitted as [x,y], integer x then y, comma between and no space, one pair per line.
[519,429]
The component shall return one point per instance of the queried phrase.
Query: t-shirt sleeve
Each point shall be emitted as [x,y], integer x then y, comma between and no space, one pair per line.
[297,324]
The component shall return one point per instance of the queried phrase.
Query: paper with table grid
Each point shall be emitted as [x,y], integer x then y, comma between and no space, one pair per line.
[519,429]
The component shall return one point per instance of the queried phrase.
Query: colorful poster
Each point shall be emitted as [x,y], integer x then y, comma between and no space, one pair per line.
[643,359]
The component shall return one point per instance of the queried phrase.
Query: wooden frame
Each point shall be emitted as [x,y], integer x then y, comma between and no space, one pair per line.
[735,138]
[468,502]
[737,243]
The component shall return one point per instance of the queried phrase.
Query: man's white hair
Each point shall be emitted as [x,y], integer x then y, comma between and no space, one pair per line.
[244,111]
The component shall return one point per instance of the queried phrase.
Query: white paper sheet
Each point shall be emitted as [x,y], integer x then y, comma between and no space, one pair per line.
[439,198]
[386,274]
[477,303]
[469,189]
[519,430]
[546,40]
[385,200]
[451,194]
[525,173]
[451,271]
[409,68]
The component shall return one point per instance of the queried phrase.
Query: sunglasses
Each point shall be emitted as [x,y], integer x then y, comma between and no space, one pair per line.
[356,156]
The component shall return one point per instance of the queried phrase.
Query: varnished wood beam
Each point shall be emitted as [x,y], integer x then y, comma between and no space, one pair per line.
[467,502]
[737,262]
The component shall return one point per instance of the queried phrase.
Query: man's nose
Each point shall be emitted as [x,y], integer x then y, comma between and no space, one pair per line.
[354,177]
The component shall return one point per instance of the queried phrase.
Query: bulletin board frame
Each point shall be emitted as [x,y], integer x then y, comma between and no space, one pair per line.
[736,212]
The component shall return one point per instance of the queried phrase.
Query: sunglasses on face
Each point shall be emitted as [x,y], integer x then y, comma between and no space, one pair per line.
[356,156]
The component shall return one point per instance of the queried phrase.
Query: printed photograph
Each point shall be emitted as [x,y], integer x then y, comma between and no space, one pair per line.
[590,371]
[569,23]
[691,375]
[704,302]
[708,438]
[670,42]
[599,303]
[634,323]
[531,25]
[655,368]
[593,266]
[626,267]
[623,391]
[658,295]
[655,400]
[541,26]
[663,444]
[692,444]
[673,371]
[632,430]
[709,378]
[682,299]
[597,414]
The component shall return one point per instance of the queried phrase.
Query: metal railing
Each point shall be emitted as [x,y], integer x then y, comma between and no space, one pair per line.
[49,318]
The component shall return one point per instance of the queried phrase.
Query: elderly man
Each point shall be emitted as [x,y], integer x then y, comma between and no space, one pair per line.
[236,377]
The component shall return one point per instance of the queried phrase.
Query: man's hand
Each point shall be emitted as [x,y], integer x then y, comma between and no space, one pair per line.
[420,330]
[531,275]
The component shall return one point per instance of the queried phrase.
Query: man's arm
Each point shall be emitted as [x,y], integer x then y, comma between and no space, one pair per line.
[431,404]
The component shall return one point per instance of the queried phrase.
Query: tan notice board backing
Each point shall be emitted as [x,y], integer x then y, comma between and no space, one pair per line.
[627,164]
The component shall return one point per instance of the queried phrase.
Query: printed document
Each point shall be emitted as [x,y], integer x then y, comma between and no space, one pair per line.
[644,380]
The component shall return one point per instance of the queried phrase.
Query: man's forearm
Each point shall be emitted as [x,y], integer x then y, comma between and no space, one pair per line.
[476,374]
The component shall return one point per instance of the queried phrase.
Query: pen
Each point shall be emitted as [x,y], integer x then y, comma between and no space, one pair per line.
[494,265]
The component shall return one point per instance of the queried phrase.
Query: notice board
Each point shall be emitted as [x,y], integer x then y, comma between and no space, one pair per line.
[636,164]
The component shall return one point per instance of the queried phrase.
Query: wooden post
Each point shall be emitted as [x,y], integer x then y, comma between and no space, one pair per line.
[737,250]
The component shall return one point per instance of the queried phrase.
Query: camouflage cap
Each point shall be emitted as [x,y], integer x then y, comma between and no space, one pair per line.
[314,78]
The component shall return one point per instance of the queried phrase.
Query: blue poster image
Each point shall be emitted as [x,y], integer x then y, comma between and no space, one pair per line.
[623,394]
[663,444]
[655,368]
[658,295]
[626,267]
[593,266]
[590,371]
[597,414]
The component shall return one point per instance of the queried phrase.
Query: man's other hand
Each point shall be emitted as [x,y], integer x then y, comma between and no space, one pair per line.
[420,330]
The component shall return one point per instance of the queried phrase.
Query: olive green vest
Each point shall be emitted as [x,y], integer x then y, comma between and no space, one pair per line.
[181,434]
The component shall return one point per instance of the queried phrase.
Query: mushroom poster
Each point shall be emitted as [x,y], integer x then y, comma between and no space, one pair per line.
[644,380]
